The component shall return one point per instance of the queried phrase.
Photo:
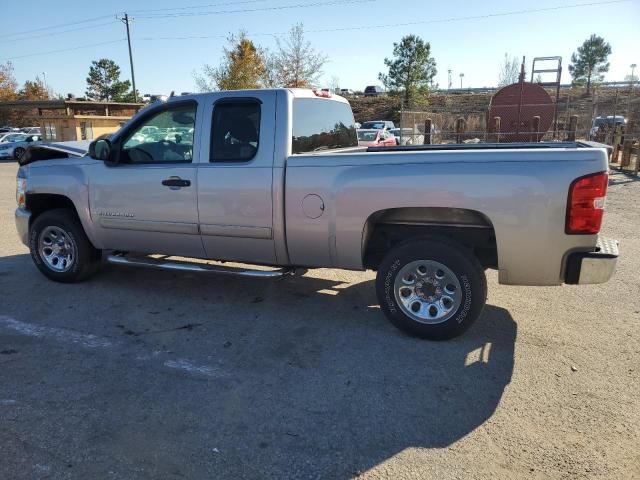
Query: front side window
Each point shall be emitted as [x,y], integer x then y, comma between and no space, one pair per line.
[235,131]
[16,137]
[166,137]
[320,124]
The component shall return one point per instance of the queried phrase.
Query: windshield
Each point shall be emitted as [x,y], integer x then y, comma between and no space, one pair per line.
[375,125]
[367,135]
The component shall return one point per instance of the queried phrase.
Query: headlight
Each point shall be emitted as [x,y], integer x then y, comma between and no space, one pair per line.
[21,189]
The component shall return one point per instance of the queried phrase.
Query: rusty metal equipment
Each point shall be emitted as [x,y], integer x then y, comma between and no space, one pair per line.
[524,111]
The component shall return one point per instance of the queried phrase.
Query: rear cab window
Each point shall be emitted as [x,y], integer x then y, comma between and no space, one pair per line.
[235,130]
[322,124]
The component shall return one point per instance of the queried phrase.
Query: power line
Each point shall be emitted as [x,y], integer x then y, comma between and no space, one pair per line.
[327,30]
[50,27]
[251,10]
[174,14]
[51,34]
[189,7]
[402,24]
[67,49]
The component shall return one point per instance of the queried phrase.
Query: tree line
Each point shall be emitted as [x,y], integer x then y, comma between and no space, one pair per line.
[30,90]
[295,63]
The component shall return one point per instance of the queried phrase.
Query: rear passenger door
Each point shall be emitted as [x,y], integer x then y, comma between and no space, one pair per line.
[235,178]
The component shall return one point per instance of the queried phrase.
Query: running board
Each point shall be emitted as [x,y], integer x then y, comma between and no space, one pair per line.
[175,265]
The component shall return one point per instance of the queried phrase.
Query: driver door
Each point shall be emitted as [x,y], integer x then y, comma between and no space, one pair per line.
[147,201]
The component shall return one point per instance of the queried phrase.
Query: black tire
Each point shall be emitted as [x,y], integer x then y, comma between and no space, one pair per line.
[86,258]
[459,261]
[18,152]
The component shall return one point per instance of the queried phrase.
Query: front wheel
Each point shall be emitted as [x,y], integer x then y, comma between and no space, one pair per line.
[431,289]
[18,152]
[60,248]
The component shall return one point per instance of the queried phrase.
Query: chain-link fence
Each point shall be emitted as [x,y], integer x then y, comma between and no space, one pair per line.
[608,115]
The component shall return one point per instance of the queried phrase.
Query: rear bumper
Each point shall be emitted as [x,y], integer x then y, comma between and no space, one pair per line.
[23,216]
[593,267]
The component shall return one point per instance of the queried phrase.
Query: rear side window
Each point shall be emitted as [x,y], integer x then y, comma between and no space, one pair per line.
[320,124]
[235,131]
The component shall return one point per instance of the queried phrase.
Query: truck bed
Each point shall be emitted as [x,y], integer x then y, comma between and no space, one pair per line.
[490,146]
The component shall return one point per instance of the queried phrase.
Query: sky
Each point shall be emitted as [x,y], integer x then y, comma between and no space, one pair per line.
[171,40]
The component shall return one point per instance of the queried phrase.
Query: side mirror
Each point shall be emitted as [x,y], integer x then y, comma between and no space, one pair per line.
[100,150]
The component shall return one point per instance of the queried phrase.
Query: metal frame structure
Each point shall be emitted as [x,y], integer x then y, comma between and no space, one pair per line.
[556,84]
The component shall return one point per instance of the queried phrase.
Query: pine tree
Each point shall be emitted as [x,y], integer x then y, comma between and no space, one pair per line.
[103,82]
[411,70]
[590,61]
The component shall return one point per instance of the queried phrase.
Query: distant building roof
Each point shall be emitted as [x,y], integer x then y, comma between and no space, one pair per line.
[52,104]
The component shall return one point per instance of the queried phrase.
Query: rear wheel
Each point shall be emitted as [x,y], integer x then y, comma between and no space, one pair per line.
[60,248]
[18,152]
[430,288]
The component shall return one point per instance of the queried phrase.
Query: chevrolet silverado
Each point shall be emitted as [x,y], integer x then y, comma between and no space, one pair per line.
[275,179]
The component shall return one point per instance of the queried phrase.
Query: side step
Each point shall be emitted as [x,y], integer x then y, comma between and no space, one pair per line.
[163,264]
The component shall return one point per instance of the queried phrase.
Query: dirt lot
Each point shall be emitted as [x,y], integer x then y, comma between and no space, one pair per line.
[141,374]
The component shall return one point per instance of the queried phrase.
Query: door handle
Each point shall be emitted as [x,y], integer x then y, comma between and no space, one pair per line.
[176,182]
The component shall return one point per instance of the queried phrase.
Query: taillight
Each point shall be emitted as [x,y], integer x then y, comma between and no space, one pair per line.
[585,205]
[322,93]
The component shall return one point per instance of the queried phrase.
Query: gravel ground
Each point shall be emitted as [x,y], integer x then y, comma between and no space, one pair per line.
[141,374]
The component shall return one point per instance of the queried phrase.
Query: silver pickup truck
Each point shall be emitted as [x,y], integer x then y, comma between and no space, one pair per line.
[274,178]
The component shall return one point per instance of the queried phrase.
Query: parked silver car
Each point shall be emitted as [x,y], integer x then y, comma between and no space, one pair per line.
[16,148]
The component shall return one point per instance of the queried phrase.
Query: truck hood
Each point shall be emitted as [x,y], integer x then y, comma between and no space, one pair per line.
[51,151]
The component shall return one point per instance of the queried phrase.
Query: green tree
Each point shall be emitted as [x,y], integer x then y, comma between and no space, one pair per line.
[589,63]
[242,67]
[103,82]
[411,70]
[34,90]
[295,63]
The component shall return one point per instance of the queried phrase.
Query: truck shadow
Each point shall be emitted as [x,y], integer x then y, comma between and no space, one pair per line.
[318,382]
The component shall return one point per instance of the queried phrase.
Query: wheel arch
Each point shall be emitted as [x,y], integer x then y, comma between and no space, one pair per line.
[38,203]
[384,229]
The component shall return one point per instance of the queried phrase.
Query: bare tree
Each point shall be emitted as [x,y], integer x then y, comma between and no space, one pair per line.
[270,74]
[334,84]
[509,71]
[295,63]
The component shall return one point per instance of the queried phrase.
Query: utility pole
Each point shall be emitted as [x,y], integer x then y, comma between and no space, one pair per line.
[461,77]
[126,21]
